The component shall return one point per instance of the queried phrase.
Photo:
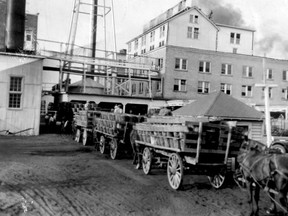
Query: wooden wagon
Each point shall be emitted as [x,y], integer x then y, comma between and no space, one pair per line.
[84,125]
[109,131]
[194,145]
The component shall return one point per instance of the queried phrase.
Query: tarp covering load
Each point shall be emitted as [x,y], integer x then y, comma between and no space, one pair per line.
[219,105]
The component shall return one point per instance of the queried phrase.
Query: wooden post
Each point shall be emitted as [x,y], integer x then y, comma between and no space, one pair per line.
[228,144]
[199,142]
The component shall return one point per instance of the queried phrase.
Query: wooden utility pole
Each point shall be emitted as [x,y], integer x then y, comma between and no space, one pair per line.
[266,88]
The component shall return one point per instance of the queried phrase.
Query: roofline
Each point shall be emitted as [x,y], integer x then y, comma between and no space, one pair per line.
[236,27]
[173,17]
[22,55]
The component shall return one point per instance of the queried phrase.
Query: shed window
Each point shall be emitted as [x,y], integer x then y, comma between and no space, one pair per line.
[15,92]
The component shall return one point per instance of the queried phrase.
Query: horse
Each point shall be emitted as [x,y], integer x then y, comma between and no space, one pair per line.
[266,170]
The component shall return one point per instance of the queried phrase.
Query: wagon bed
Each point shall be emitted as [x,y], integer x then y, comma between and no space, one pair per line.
[193,144]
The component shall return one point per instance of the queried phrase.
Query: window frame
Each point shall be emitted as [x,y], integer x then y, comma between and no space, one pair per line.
[246,71]
[286,75]
[226,70]
[285,93]
[205,67]
[202,86]
[16,92]
[181,64]
[227,87]
[178,83]
[269,74]
[247,91]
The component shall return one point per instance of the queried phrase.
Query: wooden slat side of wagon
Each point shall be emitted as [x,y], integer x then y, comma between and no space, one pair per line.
[112,130]
[189,144]
[84,125]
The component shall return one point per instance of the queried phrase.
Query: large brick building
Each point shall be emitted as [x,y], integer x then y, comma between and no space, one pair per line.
[198,56]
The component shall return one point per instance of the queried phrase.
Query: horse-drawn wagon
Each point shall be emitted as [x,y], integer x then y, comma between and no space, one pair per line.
[107,130]
[188,145]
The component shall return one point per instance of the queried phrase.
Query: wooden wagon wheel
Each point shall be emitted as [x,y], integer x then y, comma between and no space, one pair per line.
[78,135]
[218,180]
[114,149]
[102,145]
[175,171]
[85,137]
[146,160]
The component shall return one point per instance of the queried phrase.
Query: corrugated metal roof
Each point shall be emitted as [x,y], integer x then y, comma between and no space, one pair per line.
[219,105]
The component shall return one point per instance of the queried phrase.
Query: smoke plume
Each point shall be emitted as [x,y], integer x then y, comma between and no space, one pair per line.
[223,13]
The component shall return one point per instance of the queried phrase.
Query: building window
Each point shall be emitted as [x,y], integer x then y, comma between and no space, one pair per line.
[235,50]
[180,64]
[152,36]
[136,44]
[203,87]
[196,33]
[15,92]
[247,71]
[226,69]
[161,43]
[162,31]
[133,88]
[226,88]
[129,47]
[160,62]
[143,40]
[189,32]
[29,35]
[246,91]
[192,32]
[269,74]
[143,51]
[141,88]
[285,75]
[151,47]
[204,67]
[269,92]
[158,86]
[179,85]
[285,93]
[235,38]
[193,18]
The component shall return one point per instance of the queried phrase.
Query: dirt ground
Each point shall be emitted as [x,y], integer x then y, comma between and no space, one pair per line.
[53,175]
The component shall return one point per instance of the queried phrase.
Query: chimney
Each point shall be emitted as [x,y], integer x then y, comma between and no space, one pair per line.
[15,25]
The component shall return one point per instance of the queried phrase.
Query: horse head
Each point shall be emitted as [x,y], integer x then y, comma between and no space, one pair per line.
[250,147]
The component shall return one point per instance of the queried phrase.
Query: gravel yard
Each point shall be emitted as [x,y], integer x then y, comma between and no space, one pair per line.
[53,175]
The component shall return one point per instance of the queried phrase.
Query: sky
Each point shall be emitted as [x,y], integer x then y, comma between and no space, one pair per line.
[267,17]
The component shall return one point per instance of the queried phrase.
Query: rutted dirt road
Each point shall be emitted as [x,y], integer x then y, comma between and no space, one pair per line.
[53,175]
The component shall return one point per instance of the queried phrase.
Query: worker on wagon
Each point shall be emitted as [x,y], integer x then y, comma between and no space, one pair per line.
[117,109]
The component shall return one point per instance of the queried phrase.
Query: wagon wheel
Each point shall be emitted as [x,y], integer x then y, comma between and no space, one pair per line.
[114,149]
[78,135]
[146,160]
[218,180]
[85,137]
[175,172]
[102,145]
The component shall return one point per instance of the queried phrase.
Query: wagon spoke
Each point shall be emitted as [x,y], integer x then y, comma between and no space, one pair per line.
[175,171]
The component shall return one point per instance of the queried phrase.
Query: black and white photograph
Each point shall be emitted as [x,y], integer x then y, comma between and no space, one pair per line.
[143,108]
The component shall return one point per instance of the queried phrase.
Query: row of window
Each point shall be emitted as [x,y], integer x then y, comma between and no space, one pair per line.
[141,88]
[151,36]
[15,92]
[226,69]
[180,85]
